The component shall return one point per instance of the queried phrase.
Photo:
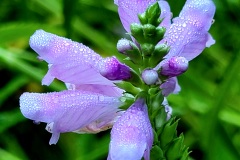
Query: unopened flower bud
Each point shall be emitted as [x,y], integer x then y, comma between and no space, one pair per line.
[129,49]
[158,53]
[174,66]
[137,32]
[112,69]
[124,45]
[150,76]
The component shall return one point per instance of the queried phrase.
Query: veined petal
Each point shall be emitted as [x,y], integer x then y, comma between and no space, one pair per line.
[131,135]
[69,61]
[112,91]
[100,125]
[170,86]
[129,10]
[68,111]
[200,12]
[166,14]
[188,35]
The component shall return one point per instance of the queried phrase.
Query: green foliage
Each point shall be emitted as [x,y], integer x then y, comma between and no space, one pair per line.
[208,105]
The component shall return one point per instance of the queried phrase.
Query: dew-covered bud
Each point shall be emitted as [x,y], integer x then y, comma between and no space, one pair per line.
[174,66]
[124,45]
[150,76]
[112,69]
[129,49]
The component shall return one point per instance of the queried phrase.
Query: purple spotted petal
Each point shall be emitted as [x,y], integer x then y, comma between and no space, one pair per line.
[188,35]
[112,69]
[68,111]
[170,86]
[69,61]
[131,135]
[129,10]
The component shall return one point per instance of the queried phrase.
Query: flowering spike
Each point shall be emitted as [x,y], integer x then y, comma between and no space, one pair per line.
[131,136]
[112,69]
[68,111]
[174,66]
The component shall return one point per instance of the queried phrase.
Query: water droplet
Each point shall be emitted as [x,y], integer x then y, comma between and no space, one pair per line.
[101,98]
[184,25]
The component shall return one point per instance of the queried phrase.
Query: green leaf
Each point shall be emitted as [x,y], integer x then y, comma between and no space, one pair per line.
[5,155]
[156,153]
[169,132]
[176,149]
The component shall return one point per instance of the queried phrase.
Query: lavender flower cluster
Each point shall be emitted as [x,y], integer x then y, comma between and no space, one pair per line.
[98,87]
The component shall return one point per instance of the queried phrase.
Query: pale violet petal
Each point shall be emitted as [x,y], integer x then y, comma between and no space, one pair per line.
[131,135]
[166,14]
[199,12]
[188,35]
[70,61]
[68,110]
[170,86]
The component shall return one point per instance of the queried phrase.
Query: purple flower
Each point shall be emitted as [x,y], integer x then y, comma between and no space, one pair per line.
[131,135]
[69,111]
[188,35]
[68,61]
[91,102]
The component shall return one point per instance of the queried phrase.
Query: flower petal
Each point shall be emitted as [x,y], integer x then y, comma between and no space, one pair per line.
[166,14]
[131,135]
[200,12]
[170,86]
[129,10]
[111,91]
[69,61]
[68,111]
[188,35]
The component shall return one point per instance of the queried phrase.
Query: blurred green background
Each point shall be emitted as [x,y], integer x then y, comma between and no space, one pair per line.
[208,105]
